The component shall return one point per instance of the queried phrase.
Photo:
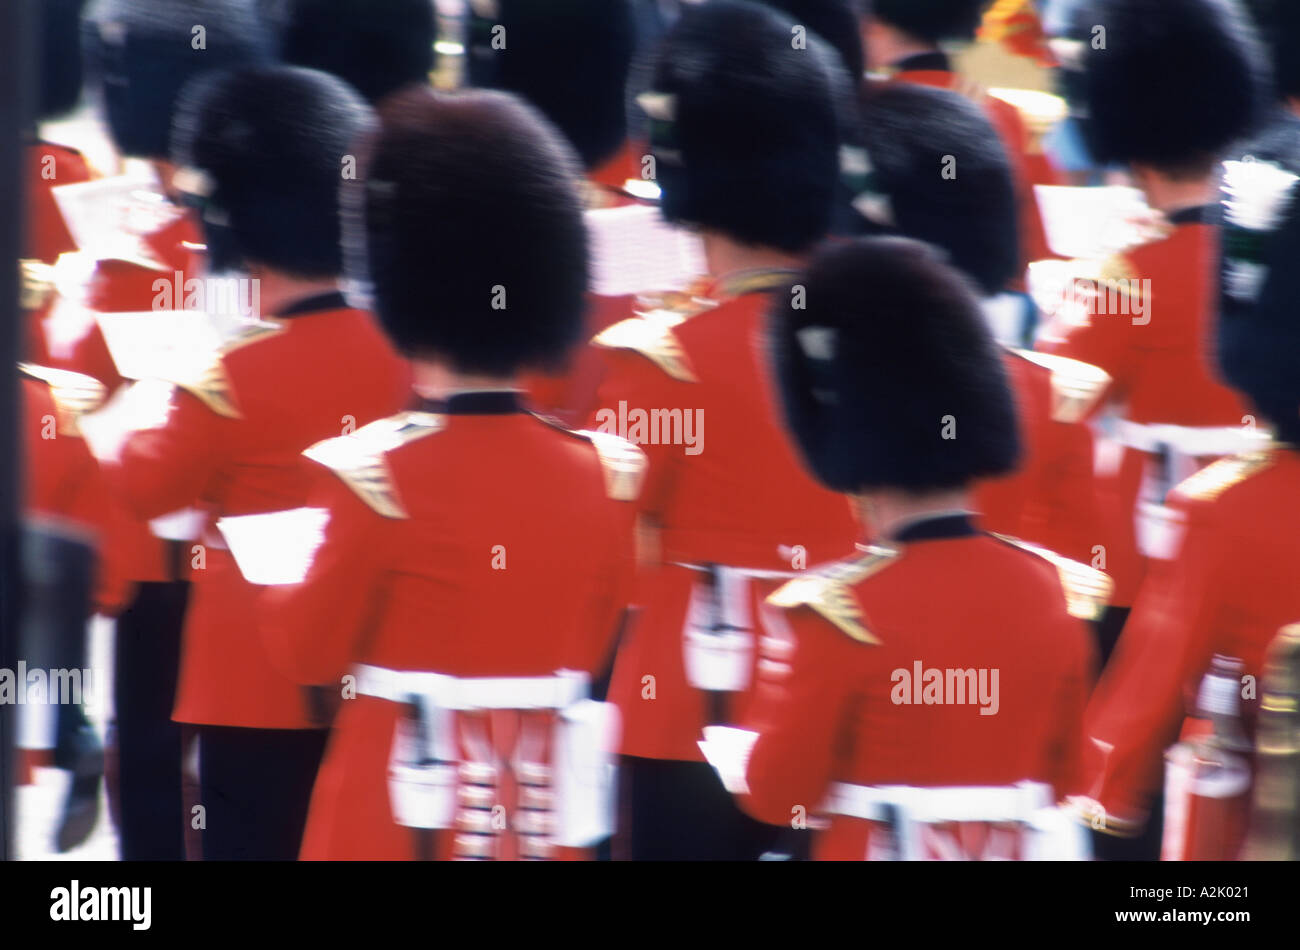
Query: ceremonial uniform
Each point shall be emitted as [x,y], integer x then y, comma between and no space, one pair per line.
[468,539]
[1176,413]
[832,714]
[737,500]
[1228,590]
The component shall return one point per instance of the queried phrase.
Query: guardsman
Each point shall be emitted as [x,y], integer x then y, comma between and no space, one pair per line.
[1230,586]
[745,133]
[473,561]
[904,39]
[938,173]
[378,47]
[235,420]
[941,669]
[138,55]
[1192,70]
[570,59]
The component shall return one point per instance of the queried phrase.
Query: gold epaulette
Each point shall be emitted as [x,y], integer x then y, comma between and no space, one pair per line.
[622,463]
[36,285]
[359,457]
[1217,477]
[829,591]
[1087,590]
[650,332]
[74,394]
[209,382]
[1077,386]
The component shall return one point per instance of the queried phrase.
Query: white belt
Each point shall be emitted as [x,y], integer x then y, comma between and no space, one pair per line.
[559,691]
[1189,440]
[959,803]
[751,572]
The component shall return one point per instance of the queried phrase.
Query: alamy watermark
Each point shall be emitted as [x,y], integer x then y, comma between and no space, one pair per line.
[683,427]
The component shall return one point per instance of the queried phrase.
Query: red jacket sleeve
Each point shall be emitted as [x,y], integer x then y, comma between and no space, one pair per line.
[312,629]
[1139,705]
[799,720]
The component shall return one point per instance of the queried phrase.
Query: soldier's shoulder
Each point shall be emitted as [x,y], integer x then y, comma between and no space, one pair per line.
[72,394]
[1076,387]
[211,375]
[832,591]
[1230,476]
[622,463]
[654,332]
[360,459]
[1087,590]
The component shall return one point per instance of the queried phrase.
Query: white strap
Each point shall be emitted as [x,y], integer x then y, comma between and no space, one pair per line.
[957,803]
[1189,440]
[489,692]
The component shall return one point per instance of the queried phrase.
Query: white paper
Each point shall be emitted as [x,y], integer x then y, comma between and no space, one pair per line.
[169,344]
[107,216]
[275,548]
[1093,222]
[727,749]
[134,407]
[633,251]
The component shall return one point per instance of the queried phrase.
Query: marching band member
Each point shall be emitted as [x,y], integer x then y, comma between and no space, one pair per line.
[264,153]
[889,352]
[476,559]
[1193,71]
[745,130]
[1230,585]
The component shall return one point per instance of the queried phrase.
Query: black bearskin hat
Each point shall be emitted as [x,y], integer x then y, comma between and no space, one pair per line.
[473,231]
[888,376]
[836,22]
[141,52]
[745,128]
[931,20]
[268,150]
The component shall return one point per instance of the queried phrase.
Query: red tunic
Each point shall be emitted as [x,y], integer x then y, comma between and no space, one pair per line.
[1230,588]
[1161,369]
[729,491]
[230,446]
[955,600]
[1050,499]
[475,541]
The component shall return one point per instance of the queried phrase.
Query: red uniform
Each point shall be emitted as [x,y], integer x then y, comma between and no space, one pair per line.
[1027,170]
[1050,499]
[940,597]
[230,446]
[1228,591]
[1156,352]
[48,166]
[473,540]
[725,489]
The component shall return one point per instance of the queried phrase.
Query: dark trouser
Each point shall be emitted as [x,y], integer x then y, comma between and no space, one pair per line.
[151,815]
[679,811]
[1107,632]
[255,786]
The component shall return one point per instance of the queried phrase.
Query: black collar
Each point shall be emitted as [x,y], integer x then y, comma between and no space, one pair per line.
[937,528]
[316,303]
[1197,214]
[493,402]
[936,61]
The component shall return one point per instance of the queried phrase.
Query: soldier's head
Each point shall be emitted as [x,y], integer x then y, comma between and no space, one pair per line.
[377,46]
[936,171]
[60,57]
[471,231]
[264,153]
[746,127]
[1278,22]
[835,21]
[1166,85]
[569,58]
[889,378]
[139,53]
[1258,331]
[897,26]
